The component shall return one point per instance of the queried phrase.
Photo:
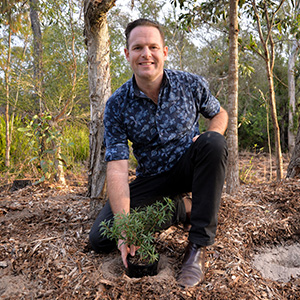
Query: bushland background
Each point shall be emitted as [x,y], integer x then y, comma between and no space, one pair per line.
[45,118]
[44,90]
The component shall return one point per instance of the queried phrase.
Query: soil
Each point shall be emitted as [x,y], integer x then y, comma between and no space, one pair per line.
[44,251]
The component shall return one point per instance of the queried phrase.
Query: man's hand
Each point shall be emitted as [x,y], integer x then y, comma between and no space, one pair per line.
[125,250]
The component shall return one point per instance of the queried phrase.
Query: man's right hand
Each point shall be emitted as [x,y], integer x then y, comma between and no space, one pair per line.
[125,250]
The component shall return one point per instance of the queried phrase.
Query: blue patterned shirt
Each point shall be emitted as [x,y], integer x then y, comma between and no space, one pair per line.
[160,134]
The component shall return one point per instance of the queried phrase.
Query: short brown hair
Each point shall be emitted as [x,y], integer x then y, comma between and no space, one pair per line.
[143,22]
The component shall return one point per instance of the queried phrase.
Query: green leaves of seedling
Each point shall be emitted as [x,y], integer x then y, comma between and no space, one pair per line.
[138,227]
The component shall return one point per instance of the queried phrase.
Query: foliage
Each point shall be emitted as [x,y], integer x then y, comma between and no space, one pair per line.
[138,227]
[253,129]
[132,160]
[18,146]
[62,70]
[197,37]
[45,144]
[76,152]
[65,83]
[77,134]
[245,172]
[120,69]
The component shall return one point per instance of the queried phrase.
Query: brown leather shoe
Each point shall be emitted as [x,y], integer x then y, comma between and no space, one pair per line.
[193,265]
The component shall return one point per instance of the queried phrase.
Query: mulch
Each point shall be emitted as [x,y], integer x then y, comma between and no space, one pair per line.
[44,251]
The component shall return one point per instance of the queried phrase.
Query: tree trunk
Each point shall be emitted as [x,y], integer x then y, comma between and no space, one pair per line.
[7,118]
[97,41]
[232,178]
[38,53]
[294,165]
[60,175]
[59,166]
[278,153]
[269,58]
[292,97]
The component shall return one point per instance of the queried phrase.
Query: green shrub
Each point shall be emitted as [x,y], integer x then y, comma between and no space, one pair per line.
[78,137]
[19,150]
[138,227]
[45,144]
[34,145]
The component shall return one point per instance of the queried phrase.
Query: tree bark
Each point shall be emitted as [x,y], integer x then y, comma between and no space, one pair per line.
[38,53]
[60,177]
[8,124]
[278,153]
[292,97]
[232,178]
[97,41]
[294,165]
[269,58]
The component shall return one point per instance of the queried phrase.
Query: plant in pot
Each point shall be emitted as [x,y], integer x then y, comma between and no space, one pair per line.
[138,228]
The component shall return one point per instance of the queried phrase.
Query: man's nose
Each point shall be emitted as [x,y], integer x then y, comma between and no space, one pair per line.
[146,52]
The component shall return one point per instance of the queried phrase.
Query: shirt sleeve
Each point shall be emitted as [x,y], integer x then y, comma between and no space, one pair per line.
[207,104]
[115,137]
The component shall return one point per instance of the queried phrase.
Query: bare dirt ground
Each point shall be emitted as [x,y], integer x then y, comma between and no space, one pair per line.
[44,253]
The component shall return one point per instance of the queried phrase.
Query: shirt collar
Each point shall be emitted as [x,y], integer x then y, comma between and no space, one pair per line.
[138,93]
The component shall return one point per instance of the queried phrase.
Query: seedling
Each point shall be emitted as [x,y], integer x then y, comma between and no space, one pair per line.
[138,227]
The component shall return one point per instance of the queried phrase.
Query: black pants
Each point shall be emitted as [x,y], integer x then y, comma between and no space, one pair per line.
[201,170]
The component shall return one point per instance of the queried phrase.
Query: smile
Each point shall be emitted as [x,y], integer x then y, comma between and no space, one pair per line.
[146,63]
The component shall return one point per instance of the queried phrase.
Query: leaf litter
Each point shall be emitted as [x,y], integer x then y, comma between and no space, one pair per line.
[44,251]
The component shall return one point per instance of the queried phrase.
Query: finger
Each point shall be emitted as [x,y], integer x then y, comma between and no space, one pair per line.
[124,258]
[132,250]
[195,138]
[124,252]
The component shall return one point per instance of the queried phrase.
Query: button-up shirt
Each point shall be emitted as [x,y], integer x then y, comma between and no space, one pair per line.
[160,133]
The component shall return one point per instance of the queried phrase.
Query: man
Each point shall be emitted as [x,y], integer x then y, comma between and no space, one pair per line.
[158,111]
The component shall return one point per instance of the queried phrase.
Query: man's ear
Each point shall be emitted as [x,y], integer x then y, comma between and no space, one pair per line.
[165,52]
[126,51]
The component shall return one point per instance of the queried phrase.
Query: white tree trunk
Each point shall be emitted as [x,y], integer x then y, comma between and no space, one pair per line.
[8,125]
[292,97]
[293,170]
[97,41]
[232,177]
[37,54]
[268,55]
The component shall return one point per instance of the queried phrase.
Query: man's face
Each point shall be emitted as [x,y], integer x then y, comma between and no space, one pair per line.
[146,53]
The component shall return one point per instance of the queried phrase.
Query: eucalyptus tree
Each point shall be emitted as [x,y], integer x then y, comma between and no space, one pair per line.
[294,144]
[37,52]
[232,178]
[64,55]
[291,15]
[61,67]
[267,11]
[59,46]
[292,94]
[57,40]
[12,16]
[293,170]
[97,41]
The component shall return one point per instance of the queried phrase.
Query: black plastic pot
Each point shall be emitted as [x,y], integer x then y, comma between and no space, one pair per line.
[141,270]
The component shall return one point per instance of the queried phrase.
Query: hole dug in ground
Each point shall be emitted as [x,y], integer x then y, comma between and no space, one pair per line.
[281,263]
[113,268]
